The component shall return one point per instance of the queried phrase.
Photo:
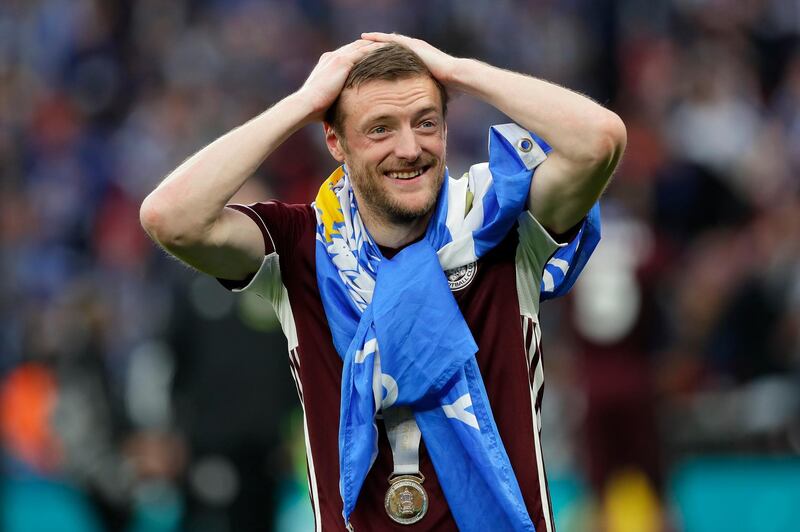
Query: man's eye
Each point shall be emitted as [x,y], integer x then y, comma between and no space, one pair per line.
[379,130]
[428,123]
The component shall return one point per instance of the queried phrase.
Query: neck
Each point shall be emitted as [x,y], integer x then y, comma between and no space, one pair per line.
[393,235]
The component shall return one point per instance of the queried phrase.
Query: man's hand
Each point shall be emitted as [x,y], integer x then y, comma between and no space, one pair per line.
[326,81]
[440,64]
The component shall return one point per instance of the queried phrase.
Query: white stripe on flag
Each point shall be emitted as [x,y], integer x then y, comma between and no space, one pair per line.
[561,264]
[369,348]
[549,283]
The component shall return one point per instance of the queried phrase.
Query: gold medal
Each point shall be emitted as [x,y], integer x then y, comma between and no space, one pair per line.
[406,501]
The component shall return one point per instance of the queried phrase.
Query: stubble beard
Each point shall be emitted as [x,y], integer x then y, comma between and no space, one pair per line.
[376,198]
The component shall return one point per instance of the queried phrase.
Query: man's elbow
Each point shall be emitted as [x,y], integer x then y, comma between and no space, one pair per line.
[609,140]
[162,223]
[152,217]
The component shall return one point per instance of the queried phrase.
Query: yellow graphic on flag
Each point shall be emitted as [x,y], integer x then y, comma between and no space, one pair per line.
[328,204]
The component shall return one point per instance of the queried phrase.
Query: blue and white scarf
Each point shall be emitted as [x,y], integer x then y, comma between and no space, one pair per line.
[404,342]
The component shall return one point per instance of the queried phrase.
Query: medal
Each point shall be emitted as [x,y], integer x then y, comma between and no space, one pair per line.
[406,501]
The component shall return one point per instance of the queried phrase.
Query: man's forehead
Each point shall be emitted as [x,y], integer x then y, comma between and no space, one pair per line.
[374,97]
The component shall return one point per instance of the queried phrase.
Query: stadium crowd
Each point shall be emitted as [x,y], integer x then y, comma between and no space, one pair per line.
[158,401]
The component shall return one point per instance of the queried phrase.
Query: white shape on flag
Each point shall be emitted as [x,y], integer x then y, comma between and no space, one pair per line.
[458,410]
[369,348]
[391,390]
[561,264]
[549,283]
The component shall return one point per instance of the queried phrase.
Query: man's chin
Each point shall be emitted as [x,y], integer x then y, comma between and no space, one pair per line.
[400,207]
[411,209]
[409,213]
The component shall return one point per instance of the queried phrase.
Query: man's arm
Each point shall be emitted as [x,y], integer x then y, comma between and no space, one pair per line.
[186,213]
[587,139]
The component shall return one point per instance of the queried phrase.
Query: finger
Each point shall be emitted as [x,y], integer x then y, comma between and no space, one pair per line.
[355,45]
[372,46]
[349,49]
[382,37]
[364,50]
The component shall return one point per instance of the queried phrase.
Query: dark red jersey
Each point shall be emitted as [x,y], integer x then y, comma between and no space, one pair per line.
[499,298]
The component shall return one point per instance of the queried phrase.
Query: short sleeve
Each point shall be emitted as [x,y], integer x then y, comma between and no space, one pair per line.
[552,265]
[555,266]
[282,227]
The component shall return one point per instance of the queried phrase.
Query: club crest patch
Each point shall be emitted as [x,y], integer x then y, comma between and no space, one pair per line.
[459,278]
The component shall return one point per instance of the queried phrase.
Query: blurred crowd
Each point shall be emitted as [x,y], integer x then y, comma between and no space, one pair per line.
[138,395]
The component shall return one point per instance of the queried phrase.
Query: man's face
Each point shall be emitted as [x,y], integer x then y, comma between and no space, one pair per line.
[394,142]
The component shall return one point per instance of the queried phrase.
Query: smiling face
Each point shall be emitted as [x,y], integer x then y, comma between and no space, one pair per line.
[393,141]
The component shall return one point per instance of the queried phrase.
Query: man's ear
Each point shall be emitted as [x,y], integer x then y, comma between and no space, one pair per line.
[333,142]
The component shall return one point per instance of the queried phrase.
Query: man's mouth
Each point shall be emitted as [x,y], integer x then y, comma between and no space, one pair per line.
[406,174]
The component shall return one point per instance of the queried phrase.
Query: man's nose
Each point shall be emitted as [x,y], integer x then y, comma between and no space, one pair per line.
[407,147]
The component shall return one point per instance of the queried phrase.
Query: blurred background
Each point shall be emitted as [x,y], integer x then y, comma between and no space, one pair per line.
[137,395]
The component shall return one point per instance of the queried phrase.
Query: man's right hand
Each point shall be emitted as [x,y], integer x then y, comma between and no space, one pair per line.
[326,81]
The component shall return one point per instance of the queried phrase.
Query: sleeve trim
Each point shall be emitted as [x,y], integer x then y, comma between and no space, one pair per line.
[551,241]
[250,283]
[269,243]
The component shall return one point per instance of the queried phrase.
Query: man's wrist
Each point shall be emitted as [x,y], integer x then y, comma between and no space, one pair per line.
[464,75]
[304,107]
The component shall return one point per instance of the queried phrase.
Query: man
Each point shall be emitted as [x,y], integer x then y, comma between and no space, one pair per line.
[376,227]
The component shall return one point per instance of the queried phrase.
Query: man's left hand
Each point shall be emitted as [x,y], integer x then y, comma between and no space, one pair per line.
[439,63]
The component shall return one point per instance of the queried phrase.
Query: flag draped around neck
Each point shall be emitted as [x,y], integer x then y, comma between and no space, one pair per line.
[404,342]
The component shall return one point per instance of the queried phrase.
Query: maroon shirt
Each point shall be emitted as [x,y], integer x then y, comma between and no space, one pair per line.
[498,297]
